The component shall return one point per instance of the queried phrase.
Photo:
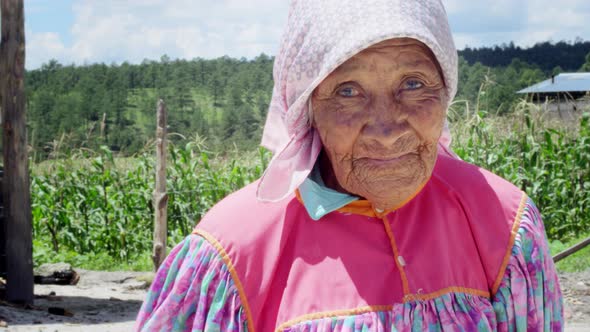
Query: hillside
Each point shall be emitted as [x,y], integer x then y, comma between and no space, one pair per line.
[225,100]
[546,56]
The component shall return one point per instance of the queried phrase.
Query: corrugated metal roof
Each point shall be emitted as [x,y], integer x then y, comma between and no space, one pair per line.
[566,82]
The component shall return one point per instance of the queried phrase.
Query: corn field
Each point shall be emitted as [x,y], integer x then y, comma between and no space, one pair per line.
[548,159]
[93,202]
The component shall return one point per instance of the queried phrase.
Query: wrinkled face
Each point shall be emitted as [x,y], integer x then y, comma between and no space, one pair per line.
[379,116]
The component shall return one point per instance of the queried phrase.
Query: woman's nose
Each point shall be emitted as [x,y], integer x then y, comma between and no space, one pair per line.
[387,121]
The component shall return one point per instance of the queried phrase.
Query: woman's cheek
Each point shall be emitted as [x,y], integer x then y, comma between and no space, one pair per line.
[338,139]
[344,121]
[427,118]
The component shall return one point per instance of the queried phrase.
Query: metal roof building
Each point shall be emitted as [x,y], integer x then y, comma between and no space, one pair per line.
[564,95]
[566,82]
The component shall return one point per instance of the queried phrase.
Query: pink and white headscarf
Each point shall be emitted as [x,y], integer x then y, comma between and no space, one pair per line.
[320,35]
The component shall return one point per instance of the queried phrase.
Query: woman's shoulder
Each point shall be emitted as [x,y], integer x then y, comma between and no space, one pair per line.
[242,214]
[493,207]
[467,178]
[482,194]
[250,236]
[480,191]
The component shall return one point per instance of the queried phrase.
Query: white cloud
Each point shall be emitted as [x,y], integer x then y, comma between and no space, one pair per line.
[551,20]
[43,46]
[526,22]
[133,30]
[463,39]
[112,30]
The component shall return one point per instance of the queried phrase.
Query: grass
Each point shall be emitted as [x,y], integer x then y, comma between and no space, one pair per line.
[142,105]
[98,261]
[94,210]
[549,162]
[577,262]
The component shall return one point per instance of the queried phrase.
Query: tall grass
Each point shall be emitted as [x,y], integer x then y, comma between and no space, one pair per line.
[91,204]
[547,158]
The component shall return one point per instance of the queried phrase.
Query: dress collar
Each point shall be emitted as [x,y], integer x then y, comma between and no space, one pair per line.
[320,200]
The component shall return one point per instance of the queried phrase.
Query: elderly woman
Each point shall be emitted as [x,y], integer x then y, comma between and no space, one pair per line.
[364,220]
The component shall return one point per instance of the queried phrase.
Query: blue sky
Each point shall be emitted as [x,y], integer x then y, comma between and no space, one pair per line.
[89,31]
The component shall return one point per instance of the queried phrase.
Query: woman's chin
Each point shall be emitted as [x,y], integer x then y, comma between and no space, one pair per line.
[379,191]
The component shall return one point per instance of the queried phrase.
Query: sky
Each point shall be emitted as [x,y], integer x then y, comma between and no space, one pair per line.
[114,31]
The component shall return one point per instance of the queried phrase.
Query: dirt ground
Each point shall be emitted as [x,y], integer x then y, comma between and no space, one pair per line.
[109,301]
[576,293]
[101,301]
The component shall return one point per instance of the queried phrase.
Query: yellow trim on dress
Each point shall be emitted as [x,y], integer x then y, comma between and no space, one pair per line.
[227,260]
[402,272]
[364,208]
[514,231]
[335,313]
[379,308]
[444,291]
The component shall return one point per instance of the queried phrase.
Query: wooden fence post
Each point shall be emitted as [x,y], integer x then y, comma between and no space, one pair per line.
[17,196]
[160,196]
[571,250]
[2,232]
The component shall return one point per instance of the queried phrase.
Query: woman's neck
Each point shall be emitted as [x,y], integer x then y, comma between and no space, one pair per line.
[328,175]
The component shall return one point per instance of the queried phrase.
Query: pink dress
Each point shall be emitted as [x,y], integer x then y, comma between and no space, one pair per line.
[467,253]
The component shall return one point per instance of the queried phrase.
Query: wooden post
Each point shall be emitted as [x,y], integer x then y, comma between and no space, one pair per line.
[571,250]
[17,197]
[2,233]
[559,106]
[103,125]
[160,196]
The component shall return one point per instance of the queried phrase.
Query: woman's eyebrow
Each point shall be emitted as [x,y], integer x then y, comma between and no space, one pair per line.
[418,63]
[349,66]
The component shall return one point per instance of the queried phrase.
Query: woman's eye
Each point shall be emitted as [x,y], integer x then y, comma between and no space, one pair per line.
[413,85]
[348,92]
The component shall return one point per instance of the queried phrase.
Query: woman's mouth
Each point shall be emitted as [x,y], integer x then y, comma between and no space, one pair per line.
[388,161]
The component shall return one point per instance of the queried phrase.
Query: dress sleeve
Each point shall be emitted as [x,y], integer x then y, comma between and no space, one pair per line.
[529,297]
[192,291]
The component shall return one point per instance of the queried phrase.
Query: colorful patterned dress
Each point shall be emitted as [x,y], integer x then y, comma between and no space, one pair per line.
[467,253]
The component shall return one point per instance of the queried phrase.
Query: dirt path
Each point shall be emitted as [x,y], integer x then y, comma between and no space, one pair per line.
[102,301]
[576,293]
[109,301]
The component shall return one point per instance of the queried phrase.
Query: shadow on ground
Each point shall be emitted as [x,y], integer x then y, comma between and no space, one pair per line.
[101,301]
[70,310]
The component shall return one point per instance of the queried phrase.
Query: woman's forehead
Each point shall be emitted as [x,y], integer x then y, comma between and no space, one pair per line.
[395,47]
[403,52]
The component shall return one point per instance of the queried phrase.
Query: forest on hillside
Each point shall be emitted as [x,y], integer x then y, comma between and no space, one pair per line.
[225,100]
[549,57]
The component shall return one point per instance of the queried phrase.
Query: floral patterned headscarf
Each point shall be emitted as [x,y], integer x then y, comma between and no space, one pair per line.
[320,35]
